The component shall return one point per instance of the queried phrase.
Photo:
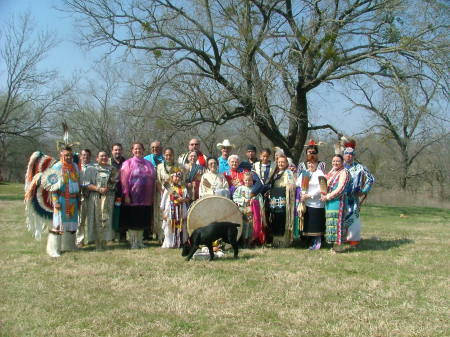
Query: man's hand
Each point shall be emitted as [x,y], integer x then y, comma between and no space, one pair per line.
[103,190]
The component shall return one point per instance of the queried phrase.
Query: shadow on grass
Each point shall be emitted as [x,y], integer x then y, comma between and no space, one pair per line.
[120,246]
[379,244]
[300,243]
[372,243]
[228,258]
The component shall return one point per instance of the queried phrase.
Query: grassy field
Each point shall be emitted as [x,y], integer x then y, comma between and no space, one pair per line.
[395,284]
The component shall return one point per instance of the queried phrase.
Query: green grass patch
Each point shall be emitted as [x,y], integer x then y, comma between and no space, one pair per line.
[394,284]
[11,191]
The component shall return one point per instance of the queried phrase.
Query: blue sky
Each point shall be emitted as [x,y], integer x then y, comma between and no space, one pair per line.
[69,59]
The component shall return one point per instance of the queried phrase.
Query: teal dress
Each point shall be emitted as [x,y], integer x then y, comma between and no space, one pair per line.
[334,208]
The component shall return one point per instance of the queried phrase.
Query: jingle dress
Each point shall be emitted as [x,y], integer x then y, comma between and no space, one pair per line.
[337,181]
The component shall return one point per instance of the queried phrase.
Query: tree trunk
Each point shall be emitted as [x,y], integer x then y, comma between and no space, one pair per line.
[292,144]
[404,170]
[301,123]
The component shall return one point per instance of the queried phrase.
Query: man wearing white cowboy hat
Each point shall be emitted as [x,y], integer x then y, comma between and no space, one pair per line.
[225,148]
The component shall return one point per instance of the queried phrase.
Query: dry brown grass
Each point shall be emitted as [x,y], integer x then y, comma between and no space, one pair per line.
[395,197]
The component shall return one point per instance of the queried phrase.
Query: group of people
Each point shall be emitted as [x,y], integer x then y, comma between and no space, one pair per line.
[148,196]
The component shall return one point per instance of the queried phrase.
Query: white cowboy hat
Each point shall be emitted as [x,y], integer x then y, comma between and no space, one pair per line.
[226,143]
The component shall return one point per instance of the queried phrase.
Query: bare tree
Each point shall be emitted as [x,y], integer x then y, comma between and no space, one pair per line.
[259,59]
[109,107]
[410,109]
[28,96]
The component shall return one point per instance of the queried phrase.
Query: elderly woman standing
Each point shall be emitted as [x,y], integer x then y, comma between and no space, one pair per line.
[100,179]
[281,204]
[335,199]
[137,177]
[212,182]
[192,175]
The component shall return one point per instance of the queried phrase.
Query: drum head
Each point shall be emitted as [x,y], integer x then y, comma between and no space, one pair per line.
[213,208]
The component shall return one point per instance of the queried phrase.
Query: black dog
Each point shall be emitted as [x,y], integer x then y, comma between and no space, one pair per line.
[227,231]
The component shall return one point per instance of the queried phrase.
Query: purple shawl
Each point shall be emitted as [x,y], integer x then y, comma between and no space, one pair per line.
[137,177]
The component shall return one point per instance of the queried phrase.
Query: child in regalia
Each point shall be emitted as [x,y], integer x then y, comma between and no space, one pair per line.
[174,206]
[253,210]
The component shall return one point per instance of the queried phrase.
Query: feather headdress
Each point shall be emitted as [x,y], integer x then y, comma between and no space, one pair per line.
[313,143]
[65,143]
[344,143]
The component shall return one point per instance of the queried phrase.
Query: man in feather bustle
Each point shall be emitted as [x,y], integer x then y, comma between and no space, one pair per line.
[52,196]
[65,198]
[361,181]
